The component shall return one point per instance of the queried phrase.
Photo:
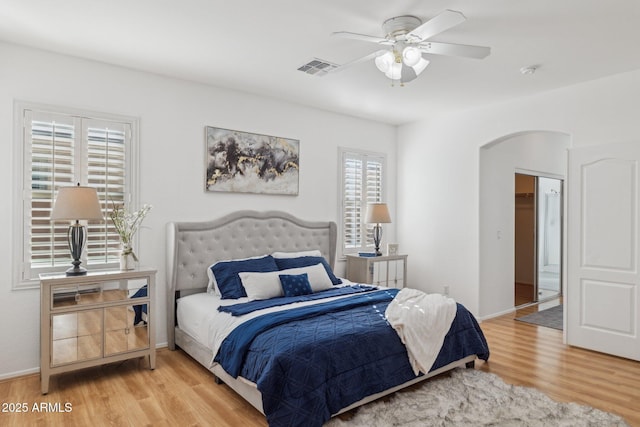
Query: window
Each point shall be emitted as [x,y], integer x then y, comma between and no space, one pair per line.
[59,148]
[362,182]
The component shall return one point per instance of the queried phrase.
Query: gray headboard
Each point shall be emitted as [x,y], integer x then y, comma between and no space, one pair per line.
[194,246]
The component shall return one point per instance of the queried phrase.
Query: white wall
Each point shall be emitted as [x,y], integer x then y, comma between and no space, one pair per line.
[438,205]
[172,115]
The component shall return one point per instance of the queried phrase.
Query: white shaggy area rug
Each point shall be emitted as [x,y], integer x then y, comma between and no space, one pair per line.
[469,397]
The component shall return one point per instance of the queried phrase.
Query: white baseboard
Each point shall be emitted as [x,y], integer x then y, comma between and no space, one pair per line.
[500,313]
[19,373]
[16,374]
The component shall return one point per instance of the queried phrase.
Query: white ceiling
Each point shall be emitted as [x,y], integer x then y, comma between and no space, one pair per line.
[257,45]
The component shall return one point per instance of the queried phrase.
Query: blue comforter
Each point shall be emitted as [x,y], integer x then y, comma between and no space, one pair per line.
[310,362]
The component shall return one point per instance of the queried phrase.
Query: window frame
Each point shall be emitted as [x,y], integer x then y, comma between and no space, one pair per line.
[23,279]
[365,154]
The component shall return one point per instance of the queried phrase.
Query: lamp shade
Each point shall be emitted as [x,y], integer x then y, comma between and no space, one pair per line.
[377,213]
[75,203]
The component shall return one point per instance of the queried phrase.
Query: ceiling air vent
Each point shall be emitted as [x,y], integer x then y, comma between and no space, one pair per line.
[317,67]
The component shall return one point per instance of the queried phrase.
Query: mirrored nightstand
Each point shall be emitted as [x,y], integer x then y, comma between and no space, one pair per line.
[102,317]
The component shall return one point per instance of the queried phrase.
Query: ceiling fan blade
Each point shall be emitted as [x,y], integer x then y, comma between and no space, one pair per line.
[450,49]
[362,37]
[365,58]
[436,25]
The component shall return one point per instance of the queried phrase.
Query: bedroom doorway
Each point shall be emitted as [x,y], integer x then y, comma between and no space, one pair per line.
[538,239]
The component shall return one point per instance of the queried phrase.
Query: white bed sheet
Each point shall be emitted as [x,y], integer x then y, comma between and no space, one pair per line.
[194,313]
[199,317]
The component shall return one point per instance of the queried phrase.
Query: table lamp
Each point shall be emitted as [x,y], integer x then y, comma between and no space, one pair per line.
[75,204]
[378,214]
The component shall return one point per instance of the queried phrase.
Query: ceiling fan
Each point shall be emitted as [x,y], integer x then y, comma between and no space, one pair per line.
[408,40]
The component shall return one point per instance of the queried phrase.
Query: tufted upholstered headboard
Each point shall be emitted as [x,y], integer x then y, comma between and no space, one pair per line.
[194,246]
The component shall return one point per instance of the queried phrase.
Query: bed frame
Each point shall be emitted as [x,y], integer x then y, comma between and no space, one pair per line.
[194,246]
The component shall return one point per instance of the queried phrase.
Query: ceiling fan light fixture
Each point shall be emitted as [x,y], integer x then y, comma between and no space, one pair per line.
[384,61]
[407,37]
[395,71]
[411,56]
[420,66]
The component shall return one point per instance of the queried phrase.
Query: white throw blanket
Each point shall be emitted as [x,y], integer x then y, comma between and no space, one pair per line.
[422,321]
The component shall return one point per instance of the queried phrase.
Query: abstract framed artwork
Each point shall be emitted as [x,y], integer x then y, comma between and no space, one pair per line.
[243,162]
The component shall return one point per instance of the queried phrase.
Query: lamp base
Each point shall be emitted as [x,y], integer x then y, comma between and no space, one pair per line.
[76,271]
[377,236]
[77,236]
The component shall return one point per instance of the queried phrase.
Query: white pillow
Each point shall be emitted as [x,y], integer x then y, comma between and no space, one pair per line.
[212,286]
[261,285]
[318,277]
[315,252]
[267,285]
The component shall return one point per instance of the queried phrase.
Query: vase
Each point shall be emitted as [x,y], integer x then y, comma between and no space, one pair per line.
[127,261]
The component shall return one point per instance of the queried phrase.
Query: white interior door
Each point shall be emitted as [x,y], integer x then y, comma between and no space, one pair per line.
[603,279]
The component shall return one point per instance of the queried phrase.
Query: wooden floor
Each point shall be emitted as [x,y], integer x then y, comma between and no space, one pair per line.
[523,294]
[535,356]
[180,392]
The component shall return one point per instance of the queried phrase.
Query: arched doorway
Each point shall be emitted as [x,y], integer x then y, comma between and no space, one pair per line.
[539,153]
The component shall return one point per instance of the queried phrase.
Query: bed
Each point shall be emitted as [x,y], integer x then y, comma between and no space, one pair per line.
[300,396]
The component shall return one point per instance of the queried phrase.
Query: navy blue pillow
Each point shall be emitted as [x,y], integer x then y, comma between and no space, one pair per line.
[307,261]
[294,285]
[226,274]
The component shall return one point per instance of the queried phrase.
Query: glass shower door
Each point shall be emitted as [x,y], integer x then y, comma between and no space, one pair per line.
[549,236]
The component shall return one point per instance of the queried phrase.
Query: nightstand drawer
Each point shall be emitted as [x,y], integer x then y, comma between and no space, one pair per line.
[66,296]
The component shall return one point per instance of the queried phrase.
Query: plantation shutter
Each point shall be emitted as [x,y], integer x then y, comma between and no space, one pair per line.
[352,202]
[373,191]
[63,150]
[106,146]
[52,158]
[362,179]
